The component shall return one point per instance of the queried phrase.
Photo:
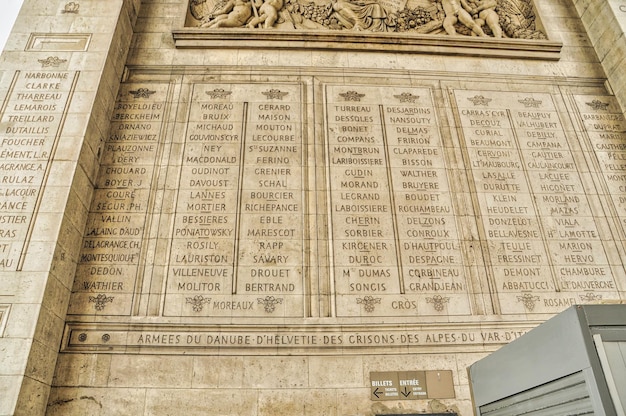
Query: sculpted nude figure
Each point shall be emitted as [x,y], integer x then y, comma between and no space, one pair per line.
[268,12]
[234,13]
[361,14]
[455,13]
[485,10]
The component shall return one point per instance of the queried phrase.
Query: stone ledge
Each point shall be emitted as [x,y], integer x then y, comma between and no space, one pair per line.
[194,38]
[288,339]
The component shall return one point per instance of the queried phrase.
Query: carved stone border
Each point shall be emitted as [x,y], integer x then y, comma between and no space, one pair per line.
[289,339]
[58,42]
[4,316]
[194,38]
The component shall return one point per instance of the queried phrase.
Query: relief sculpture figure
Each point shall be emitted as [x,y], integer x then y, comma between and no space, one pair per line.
[484,11]
[456,13]
[500,18]
[232,13]
[267,13]
[361,15]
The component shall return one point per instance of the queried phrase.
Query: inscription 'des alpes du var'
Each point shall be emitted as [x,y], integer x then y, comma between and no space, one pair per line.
[211,215]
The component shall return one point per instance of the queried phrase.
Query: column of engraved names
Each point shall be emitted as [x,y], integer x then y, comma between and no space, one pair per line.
[237,237]
[513,235]
[110,256]
[606,128]
[271,237]
[574,245]
[202,257]
[433,270]
[30,122]
[366,270]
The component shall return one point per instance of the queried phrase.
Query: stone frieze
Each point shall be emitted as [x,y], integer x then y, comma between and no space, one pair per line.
[483,18]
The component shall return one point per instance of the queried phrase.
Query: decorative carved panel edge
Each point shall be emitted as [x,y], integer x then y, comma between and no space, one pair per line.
[497,28]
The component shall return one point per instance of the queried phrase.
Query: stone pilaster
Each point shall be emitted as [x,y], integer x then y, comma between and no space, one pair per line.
[61,70]
[605,22]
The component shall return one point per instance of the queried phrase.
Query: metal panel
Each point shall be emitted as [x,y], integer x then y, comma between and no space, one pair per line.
[563,397]
[613,359]
[549,352]
[562,346]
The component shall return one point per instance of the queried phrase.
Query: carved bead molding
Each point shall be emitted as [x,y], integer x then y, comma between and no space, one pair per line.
[506,28]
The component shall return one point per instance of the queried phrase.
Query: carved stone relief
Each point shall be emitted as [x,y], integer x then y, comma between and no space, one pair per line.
[485,18]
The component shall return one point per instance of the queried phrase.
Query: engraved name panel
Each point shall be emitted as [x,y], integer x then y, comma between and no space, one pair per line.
[605,127]
[109,264]
[237,241]
[543,244]
[30,127]
[396,249]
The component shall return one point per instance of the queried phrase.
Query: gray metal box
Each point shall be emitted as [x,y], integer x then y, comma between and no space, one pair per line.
[573,364]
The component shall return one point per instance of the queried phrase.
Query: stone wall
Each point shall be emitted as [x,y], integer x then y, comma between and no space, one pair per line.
[512,213]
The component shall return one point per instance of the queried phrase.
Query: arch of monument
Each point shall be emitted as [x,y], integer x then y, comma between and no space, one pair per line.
[299,207]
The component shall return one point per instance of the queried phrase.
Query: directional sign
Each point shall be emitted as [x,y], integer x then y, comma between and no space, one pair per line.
[411,385]
[384,386]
